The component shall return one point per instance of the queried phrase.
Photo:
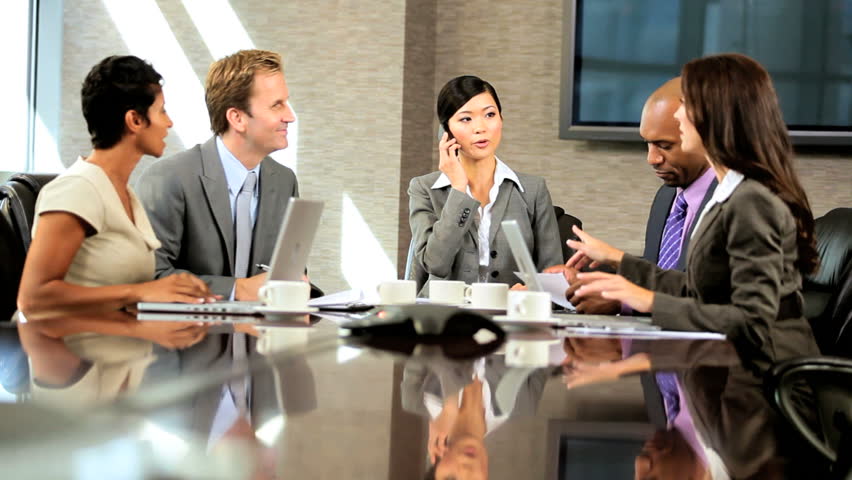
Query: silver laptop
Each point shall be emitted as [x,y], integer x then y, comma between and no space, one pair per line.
[289,259]
[522,254]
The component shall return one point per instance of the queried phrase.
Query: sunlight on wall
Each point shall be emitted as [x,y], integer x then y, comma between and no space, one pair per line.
[223,34]
[13,36]
[147,35]
[221,30]
[362,260]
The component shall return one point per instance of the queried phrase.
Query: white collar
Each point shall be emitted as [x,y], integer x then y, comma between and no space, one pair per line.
[727,186]
[723,191]
[501,172]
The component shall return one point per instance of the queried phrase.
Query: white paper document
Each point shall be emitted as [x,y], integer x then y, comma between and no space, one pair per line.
[554,284]
[345,297]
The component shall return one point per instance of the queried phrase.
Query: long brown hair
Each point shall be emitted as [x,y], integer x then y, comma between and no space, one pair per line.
[732,103]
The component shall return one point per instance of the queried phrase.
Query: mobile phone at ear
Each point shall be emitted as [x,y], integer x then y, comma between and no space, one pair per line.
[441,131]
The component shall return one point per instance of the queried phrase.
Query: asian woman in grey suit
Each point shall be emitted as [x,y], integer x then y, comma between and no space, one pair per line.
[455,213]
[753,241]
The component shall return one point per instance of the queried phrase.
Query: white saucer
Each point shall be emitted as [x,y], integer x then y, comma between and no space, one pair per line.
[526,322]
[267,310]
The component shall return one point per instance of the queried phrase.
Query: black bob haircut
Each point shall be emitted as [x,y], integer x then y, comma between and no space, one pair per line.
[114,86]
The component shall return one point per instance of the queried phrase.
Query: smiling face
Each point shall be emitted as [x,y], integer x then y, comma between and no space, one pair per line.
[675,166]
[478,127]
[152,138]
[269,113]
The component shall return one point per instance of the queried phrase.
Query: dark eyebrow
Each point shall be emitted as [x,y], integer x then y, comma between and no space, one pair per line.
[468,111]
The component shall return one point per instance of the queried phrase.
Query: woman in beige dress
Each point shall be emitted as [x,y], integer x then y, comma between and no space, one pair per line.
[92,254]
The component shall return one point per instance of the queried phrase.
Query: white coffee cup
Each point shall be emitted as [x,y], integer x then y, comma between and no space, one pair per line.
[527,353]
[286,295]
[526,305]
[487,295]
[397,292]
[447,291]
[277,339]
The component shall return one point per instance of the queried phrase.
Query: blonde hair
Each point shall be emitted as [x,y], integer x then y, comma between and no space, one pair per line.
[229,82]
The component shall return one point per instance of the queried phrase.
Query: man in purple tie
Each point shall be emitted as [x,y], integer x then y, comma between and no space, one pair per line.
[688,183]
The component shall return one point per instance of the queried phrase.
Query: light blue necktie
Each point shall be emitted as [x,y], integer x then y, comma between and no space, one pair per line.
[239,386]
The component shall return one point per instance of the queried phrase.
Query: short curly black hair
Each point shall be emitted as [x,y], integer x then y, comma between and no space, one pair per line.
[114,86]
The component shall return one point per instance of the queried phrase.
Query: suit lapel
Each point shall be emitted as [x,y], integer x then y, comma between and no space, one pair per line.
[216,192]
[498,211]
[684,248]
[700,235]
[657,223]
[270,212]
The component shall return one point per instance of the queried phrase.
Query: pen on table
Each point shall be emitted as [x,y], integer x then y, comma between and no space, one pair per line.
[262,266]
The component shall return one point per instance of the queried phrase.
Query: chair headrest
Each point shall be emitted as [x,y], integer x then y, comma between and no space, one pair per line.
[834,245]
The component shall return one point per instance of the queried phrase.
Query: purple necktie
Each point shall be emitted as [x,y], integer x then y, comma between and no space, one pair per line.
[669,255]
[673,235]
[667,382]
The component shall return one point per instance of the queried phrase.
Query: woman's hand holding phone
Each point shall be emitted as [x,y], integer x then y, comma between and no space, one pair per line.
[449,163]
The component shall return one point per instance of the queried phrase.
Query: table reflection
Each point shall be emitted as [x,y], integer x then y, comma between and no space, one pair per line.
[304,402]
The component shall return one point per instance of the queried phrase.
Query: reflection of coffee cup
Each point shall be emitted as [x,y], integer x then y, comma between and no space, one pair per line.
[527,353]
[278,339]
[397,292]
[487,295]
[286,295]
[526,305]
[447,291]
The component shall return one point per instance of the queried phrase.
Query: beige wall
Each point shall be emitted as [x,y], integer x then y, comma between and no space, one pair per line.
[363,78]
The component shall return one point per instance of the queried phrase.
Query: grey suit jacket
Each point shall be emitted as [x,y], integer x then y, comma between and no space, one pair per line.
[740,265]
[444,226]
[186,197]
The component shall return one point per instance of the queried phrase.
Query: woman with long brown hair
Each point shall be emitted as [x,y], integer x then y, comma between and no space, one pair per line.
[753,240]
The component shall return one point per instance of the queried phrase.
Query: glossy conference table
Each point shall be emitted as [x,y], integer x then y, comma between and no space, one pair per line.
[575,405]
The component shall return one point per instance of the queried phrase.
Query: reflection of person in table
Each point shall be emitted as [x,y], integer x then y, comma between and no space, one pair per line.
[670,453]
[92,369]
[464,456]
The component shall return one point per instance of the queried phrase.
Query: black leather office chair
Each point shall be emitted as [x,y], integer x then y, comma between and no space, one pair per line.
[828,292]
[815,396]
[17,210]
[565,221]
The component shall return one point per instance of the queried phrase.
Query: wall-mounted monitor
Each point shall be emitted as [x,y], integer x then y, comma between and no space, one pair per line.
[616,52]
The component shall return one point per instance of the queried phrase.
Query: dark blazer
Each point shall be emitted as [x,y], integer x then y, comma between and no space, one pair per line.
[444,229]
[660,209]
[186,197]
[740,265]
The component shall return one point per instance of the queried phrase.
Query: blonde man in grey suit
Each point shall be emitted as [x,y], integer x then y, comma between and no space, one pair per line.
[455,213]
[191,197]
